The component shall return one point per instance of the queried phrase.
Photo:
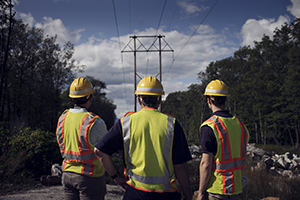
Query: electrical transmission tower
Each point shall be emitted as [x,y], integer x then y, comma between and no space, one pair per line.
[138,46]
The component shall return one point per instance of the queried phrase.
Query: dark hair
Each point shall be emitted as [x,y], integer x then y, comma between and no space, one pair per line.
[218,100]
[151,101]
[81,100]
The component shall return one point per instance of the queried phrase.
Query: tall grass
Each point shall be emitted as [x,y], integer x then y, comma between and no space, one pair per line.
[261,183]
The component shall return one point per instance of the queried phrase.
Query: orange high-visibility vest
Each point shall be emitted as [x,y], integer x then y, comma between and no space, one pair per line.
[232,138]
[72,132]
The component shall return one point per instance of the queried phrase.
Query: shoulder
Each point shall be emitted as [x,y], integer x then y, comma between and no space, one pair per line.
[169,115]
[210,120]
[129,113]
[94,115]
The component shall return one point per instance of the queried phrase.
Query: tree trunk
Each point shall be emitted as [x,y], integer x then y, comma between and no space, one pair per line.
[256,133]
[261,128]
[297,134]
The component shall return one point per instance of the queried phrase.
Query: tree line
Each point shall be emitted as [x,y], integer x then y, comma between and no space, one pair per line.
[35,74]
[264,89]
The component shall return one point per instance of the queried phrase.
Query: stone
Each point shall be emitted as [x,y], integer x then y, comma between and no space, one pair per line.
[56,170]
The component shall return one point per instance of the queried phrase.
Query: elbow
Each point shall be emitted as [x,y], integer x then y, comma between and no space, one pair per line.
[205,165]
[98,153]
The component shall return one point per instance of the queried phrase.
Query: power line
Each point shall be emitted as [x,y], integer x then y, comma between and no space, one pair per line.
[116,21]
[172,18]
[161,15]
[191,36]
[162,12]
[129,8]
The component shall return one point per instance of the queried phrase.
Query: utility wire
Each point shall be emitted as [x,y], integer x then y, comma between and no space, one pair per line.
[172,18]
[161,15]
[192,36]
[116,21]
[129,8]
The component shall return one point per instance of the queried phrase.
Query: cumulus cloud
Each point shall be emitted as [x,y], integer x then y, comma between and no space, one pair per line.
[56,27]
[104,61]
[253,30]
[27,19]
[190,8]
[294,9]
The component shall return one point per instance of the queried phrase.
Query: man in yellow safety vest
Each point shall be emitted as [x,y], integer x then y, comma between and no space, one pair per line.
[154,146]
[224,140]
[78,131]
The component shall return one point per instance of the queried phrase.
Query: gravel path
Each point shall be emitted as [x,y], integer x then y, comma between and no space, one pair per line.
[56,193]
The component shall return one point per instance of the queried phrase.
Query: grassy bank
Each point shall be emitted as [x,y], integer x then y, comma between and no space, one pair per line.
[261,182]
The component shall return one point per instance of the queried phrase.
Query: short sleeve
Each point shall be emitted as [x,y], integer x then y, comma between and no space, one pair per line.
[181,152]
[98,131]
[112,141]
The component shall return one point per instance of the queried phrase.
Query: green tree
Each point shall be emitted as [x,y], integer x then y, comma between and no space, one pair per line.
[38,70]
[263,85]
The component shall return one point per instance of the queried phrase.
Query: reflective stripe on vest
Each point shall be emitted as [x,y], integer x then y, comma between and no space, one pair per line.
[84,154]
[166,153]
[225,164]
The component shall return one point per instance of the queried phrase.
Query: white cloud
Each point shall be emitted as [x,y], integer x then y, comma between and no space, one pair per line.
[27,19]
[102,59]
[56,27]
[253,30]
[294,8]
[190,8]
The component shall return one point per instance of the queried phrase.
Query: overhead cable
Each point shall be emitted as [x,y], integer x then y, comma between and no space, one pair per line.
[161,15]
[192,36]
[116,21]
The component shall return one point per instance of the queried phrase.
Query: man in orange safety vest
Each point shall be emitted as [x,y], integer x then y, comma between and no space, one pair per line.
[224,140]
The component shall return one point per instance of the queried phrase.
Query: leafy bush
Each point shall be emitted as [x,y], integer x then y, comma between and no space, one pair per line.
[27,154]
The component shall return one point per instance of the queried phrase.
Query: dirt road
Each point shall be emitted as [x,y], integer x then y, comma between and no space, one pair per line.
[56,193]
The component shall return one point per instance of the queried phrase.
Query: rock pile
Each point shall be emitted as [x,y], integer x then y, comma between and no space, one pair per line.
[287,165]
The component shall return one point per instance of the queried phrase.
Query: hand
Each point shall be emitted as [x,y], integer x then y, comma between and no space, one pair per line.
[120,180]
[202,196]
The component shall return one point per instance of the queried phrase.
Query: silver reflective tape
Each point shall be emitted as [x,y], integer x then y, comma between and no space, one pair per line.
[143,89]
[217,91]
[81,91]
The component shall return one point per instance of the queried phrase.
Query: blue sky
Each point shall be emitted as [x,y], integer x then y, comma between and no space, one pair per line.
[99,37]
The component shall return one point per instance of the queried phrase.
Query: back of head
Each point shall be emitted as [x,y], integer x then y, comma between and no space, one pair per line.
[149,91]
[81,90]
[217,91]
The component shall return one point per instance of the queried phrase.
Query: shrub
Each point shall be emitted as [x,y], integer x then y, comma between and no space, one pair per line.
[28,154]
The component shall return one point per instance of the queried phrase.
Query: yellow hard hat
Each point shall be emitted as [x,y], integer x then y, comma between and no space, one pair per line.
[216,88]
[149,86]
[81,87]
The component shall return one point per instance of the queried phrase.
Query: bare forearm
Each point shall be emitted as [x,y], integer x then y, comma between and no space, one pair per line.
[106,161]
[204,173]
[204,176]
[109,166]
[183,177]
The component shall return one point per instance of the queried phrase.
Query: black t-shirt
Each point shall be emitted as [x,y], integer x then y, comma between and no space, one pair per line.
[112,141]
[207,136]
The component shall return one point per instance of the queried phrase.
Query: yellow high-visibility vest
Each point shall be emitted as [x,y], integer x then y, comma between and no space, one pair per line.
[232,138]
[72,133]
[148,143]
